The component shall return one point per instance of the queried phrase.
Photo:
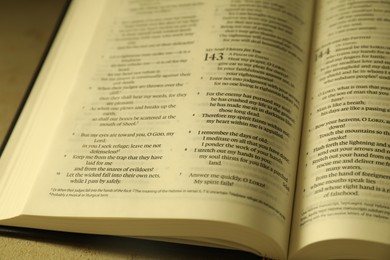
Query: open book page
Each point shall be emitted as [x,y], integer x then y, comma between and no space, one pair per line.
[344,182]
[183,110]
[31,136]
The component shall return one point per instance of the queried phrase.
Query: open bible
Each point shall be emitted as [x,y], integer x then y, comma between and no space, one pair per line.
[261,126]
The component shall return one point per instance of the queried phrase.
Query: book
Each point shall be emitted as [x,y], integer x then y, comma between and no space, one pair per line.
[260,126]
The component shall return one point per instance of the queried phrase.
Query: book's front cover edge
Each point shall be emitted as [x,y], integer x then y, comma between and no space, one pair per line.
[35,76]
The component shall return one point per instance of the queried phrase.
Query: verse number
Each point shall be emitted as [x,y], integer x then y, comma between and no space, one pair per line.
[213,56]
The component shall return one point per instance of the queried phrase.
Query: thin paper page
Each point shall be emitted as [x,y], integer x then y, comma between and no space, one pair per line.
[344,183]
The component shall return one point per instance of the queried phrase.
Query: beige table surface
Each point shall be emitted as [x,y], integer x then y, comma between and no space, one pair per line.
[25,28]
